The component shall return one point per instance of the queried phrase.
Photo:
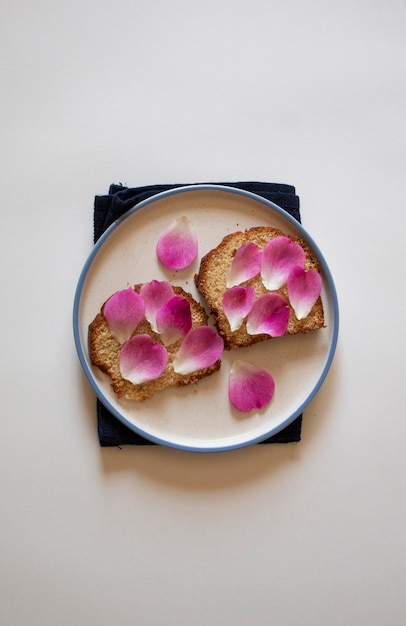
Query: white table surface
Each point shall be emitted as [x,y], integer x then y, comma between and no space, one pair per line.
[311,94]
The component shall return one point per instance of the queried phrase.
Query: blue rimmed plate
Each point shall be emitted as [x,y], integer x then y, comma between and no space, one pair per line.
[200,417]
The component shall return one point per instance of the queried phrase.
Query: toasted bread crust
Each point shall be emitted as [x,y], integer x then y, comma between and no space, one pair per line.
[211,283]
[104,352]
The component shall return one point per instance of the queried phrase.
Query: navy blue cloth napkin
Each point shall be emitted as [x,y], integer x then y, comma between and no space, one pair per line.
[107,209]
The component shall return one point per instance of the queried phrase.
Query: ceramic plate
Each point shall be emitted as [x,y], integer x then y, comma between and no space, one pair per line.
[200,417]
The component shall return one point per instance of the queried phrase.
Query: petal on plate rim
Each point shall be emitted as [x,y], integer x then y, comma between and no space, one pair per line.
[177,247]
[249,386]
[201,348]
[142,360]
[237,303]
[123,311]
[279,257]
[269,315]
[304,288]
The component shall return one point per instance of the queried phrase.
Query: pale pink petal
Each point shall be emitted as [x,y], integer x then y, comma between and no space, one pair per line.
[177,247]
[174,320]
[142,360]
[269,315]
[249,386]
[279,257]
[245,265]
[237,303]
[303,290]
[201,348]
[123,312]
[155,294]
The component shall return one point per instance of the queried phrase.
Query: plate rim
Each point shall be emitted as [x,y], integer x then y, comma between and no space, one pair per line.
[79,289]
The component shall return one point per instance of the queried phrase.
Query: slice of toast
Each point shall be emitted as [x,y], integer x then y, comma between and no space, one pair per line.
[104,352]
[211,283]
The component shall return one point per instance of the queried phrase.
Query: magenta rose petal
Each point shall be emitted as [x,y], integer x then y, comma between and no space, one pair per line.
[249,386]
[174,320]
[245,265]
[201,348]
[269,315]
[142,360]
[123,312]
[237,303]
[304,288]
[155,294]
[177,247]
[279,257]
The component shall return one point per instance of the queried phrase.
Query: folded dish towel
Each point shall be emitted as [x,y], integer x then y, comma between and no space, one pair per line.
[107,209]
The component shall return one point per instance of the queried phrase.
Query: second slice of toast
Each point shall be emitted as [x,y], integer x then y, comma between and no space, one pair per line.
[211,283]
[104,352]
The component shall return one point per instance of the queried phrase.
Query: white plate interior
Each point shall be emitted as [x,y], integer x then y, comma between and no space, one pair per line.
[200,417]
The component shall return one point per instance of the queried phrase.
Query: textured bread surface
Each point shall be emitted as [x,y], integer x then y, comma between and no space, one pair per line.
[104,352]
[211,283]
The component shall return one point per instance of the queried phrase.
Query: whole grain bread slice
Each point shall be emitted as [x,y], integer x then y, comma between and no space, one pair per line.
[104,352]
[211,283]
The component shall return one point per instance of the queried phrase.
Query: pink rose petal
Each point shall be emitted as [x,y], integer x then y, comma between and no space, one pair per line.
[142,360]
[249,386]
[237,303]
[304,289]
[177,247]
[155,294]
[123,312]
[245,265]
[269,315]
[201,348]
[279,257]
[174,320]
